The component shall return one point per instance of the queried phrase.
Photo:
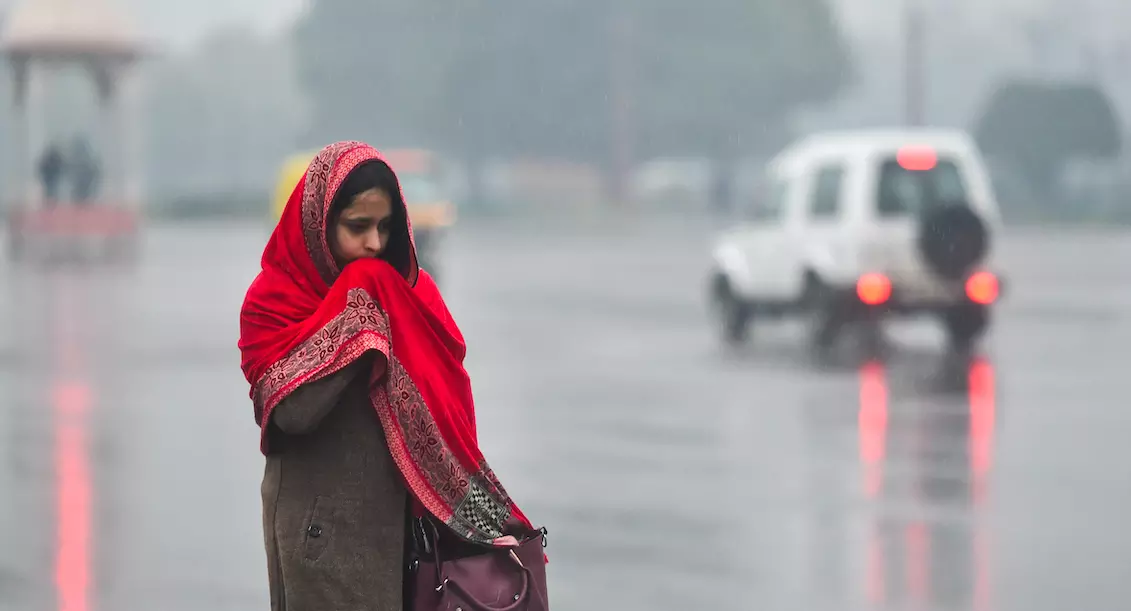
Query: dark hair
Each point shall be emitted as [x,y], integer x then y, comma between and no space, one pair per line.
[376,174]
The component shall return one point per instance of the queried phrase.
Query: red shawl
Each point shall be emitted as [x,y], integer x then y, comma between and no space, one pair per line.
[304,319]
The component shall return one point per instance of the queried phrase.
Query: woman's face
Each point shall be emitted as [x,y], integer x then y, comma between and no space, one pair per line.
[363,227]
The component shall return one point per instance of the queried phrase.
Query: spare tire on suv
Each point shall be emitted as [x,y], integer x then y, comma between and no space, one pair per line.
[953,239]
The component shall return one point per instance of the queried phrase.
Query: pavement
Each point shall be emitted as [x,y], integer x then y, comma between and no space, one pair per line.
[672,473]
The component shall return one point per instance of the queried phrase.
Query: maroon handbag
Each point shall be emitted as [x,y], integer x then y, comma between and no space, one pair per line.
[448,574]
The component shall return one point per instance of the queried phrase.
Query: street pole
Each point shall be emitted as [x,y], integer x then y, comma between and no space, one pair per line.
[620,71]
[914,77]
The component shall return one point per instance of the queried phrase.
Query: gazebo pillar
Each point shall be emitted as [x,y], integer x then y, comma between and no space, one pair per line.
[40,35]
[17,155]
[133,137]
[110,126]
[35,128]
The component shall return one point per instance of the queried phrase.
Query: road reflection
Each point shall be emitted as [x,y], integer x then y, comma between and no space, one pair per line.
[73,496]
[71,400]
[925,461]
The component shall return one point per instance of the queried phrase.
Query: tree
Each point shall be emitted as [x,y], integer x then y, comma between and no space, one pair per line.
[373,70]
[529,79]
[708,77]
[716,73]
[1038,127]
[221,118]
[513,77]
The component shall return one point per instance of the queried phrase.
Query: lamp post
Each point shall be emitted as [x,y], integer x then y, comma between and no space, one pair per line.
[914,64]
[621,70]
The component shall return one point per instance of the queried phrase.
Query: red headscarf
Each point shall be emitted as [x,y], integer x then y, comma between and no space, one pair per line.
[304,319]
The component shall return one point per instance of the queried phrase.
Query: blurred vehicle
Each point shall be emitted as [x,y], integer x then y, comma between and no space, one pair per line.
[422,177]
[853,227]
[292,170]
[429,208]
[673,184]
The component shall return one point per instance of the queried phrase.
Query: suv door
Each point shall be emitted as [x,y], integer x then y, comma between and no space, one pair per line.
[760,237]
[822,233]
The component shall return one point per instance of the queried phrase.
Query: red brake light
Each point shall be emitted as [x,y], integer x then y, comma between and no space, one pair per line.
[917,159]
[982,288]
[873,289]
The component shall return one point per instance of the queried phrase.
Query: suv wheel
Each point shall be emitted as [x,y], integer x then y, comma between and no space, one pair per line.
[965,324]
[827,318]
[731,314]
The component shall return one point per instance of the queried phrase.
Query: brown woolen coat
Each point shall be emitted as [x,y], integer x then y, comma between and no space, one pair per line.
[334,503]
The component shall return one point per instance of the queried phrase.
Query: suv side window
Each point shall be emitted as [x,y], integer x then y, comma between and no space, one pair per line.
[824,202]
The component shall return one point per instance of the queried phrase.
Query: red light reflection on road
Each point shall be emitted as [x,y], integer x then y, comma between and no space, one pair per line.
[982,389]
[912,550]
[983,413]
[983,595]
[872,425]
[71,401]
[876,584]
[917,542]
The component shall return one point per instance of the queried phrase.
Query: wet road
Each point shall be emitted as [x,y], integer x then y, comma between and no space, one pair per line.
[672,474]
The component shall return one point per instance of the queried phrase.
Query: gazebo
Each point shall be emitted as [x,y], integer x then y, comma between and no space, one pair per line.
[37,38]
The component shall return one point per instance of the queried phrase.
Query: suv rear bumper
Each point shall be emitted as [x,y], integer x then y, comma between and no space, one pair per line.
[906,303]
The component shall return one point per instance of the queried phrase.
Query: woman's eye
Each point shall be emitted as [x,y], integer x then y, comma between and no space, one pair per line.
[356,228]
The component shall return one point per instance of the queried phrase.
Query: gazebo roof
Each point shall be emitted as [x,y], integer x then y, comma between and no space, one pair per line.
[70,29]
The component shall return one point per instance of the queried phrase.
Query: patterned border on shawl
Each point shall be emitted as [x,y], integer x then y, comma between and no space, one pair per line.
[323,178]
[473,505]
[361,326]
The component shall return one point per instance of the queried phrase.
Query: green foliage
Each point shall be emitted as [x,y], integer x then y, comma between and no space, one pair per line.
[375,70]
[1038,127]
[502,77]
[221,117]
[717,73]
[530,77]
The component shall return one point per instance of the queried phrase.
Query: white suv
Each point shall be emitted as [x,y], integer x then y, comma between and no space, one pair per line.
[853,227]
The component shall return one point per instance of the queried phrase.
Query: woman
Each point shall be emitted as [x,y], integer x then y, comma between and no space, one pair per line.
[357,380]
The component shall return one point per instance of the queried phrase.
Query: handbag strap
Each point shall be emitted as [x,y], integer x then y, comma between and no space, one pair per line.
[426,544]
[427,538]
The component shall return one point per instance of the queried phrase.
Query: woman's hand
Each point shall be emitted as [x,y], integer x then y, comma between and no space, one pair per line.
[507,541]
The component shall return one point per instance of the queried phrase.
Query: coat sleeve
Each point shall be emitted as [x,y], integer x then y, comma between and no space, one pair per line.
[304,409]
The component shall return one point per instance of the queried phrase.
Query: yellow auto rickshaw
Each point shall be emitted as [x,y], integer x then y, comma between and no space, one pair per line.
[289,174]
[429,208]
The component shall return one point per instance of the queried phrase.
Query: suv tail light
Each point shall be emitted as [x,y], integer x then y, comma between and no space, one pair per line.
[873,289]
[917,158]
[982,288]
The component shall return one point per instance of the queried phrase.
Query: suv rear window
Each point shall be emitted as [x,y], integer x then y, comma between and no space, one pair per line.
[912,192]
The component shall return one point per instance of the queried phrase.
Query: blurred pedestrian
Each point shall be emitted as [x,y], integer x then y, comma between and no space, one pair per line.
[52,168]
[85,171]
[359,389]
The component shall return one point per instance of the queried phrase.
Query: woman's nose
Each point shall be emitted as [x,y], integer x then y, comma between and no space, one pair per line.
[373,242]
